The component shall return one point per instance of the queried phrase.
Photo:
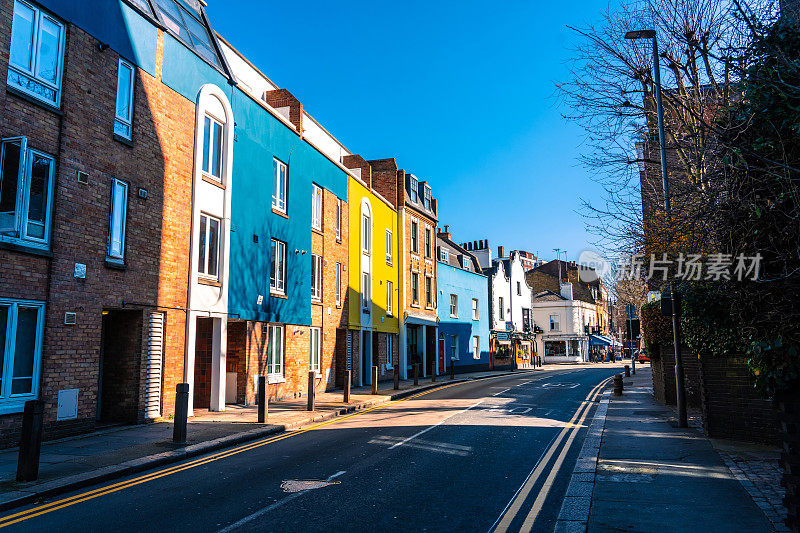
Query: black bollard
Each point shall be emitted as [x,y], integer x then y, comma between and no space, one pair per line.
[627,371]
[396,377]
[347,379]
[618,385]
[452,370]
[181,413]
[374,380]
[433,374]
[311,392]
[262,399]
[416,373]
[30,444]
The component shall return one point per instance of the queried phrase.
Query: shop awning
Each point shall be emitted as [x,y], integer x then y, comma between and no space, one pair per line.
[599,340]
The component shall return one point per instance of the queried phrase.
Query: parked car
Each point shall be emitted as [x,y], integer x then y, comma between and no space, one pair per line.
[641,356]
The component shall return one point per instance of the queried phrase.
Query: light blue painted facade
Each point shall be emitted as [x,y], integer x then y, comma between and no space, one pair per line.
[466,286]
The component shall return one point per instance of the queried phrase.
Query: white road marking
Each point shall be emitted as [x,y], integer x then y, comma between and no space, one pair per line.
[501,392]
[427,429]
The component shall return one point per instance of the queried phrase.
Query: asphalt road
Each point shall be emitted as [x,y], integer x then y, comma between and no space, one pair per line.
[450,460]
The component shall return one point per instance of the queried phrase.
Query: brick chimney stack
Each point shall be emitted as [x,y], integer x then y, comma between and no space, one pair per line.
[501,252]
[446,233]
[287,105]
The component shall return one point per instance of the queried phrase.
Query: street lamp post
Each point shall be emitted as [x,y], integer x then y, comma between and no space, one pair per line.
[679,382]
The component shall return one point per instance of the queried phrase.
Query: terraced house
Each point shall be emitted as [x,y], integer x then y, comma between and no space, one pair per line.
[373,290]
[167,214]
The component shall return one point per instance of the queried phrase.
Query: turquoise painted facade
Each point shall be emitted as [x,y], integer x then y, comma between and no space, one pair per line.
[466,286]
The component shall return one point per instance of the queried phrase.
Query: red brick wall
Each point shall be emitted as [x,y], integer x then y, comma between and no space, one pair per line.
[665,380]
[282,98]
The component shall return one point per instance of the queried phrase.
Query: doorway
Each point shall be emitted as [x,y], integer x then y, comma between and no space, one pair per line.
[366,358]
[203,354]
[120,366]
[441,354]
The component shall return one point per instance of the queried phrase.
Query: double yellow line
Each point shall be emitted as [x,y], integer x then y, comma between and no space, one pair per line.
[85,496]
[571,429]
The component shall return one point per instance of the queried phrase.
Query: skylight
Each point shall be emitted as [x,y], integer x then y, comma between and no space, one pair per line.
[187,23]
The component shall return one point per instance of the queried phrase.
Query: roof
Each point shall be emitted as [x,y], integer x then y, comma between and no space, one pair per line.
[547,296]
[457,256]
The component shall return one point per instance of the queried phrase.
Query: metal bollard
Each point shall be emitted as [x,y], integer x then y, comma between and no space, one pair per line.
[433,374]
[181,412]
[416,373]
[627,371]
[633,366]
[374,380]
[30,444]
[452,370]
[347,380]
[262,399]
[396,377]
[311,392]
[618,385]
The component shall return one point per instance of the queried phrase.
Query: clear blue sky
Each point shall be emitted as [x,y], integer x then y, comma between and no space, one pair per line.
[462,97]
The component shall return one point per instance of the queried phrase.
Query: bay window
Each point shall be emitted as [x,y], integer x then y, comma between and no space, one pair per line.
[37,53]
[26,190]
[21,326]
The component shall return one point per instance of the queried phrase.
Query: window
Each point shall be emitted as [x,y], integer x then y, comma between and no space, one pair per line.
[338,219]
[415,236]
[428,291]
[519,289]
[554,323]
[501,312]
[26,190]
[427,198]
[316,207]
[37,53]
[415,287]
[338,284]
[116,225]
[21,350]
[316,277]
[187,24]
[279,186]
[389,298]
[389,350]
[366,233]
[475,313]
[413,188]
[212,148]
[453,306]
[453,347]
[208,250]
[277,277]
[315,357]
[443,255]
[389,254]
[275,350]
[123,117]
[365,291]
[428,243]
[476,347]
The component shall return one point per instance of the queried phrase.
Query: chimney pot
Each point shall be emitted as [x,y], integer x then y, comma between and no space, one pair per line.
[501,252]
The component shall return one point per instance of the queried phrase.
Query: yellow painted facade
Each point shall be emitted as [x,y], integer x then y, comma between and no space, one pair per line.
[373,260]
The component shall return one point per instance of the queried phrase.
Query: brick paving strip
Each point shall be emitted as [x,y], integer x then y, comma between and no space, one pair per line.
[72,463]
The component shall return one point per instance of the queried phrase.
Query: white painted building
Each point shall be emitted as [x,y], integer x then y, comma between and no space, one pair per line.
[564,322]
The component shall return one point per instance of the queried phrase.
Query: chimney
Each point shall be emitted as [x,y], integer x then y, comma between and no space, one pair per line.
[501,252]
[287,105]
[566,290]
[360,168]
[446,233]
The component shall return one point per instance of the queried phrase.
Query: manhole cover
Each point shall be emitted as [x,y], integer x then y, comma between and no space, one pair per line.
[299,485]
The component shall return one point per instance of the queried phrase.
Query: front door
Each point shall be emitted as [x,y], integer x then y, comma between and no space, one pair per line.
[441,355]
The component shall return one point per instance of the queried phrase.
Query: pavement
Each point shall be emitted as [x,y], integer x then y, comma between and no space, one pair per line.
[638,471]
[70,463]
[491,454]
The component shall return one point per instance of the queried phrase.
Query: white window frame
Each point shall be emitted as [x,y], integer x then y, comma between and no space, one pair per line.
[556,323]
[338,284]
[15,403]
[316,277]
[476,347]
[454,355]
[414,236]
[389,298]
[204,242]
[453,306]
[209,172]
[280,182]
[366,233]
[519,288]
[366,291]
[315,350]
[123,124]
[426,197]
[275,361]
[475,309]
[389,247]
[389,351]
[443,255]
[118,214]
[316,207]
[18,231]
[428,292]
[338,219]
[501,312]
[26,79]
[277,279]
[414,188]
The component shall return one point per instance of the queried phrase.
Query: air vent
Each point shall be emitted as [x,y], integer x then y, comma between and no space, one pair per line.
[83,177]
[70,318]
